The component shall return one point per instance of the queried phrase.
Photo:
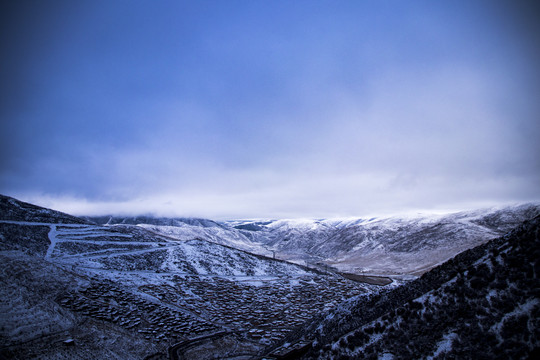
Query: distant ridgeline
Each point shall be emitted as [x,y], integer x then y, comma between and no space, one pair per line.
[150,220]
[396,245]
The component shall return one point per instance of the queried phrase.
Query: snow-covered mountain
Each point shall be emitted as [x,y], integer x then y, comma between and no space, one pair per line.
[482,304]
[188,229]
[398,245]
[71,289]
[195,288]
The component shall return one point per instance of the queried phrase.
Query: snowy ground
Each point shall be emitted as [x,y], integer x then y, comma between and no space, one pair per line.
[149,291]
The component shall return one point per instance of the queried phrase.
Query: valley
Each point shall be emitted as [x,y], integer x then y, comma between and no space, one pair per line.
[401,246]
[119,288]
[81,280]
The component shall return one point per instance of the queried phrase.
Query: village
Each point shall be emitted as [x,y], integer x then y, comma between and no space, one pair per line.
[158,294]
[265,311]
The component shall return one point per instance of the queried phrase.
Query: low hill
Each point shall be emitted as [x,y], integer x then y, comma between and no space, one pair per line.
[150,220]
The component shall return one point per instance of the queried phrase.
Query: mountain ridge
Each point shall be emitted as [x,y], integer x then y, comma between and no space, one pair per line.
[384,246]
[482,303]
[17,210]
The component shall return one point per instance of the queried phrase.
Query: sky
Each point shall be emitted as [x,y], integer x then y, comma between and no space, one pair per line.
[269,109]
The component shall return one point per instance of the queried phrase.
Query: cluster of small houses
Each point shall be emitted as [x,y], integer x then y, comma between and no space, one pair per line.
[154,321]
[266,312]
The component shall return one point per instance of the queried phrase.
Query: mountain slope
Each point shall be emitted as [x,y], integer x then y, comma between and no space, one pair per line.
[382,246]
[80,291]
[187,229]
[133,248]
[482,304]
[400,245]
[16,210]
[160,221]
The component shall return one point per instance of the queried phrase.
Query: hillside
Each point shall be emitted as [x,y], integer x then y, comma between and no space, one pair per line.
[16,210]
[75,290]
[388,246]
[187,229]
[391,246]
[71,288]
[482,304]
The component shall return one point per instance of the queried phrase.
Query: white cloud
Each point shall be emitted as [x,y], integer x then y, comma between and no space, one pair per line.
[423,140]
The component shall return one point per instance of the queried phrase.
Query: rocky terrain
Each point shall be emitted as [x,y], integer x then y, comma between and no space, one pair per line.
[482,304]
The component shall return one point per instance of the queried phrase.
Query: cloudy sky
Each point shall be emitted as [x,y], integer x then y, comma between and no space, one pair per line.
[269,109]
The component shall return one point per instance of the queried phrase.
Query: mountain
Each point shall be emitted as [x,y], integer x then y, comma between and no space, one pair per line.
[145,288]
[13,209]
[149,220]
[482,304]
[392,246]
[188,228]
[77,290]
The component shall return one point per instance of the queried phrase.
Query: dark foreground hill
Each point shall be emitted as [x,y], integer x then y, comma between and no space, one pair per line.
[482,304]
